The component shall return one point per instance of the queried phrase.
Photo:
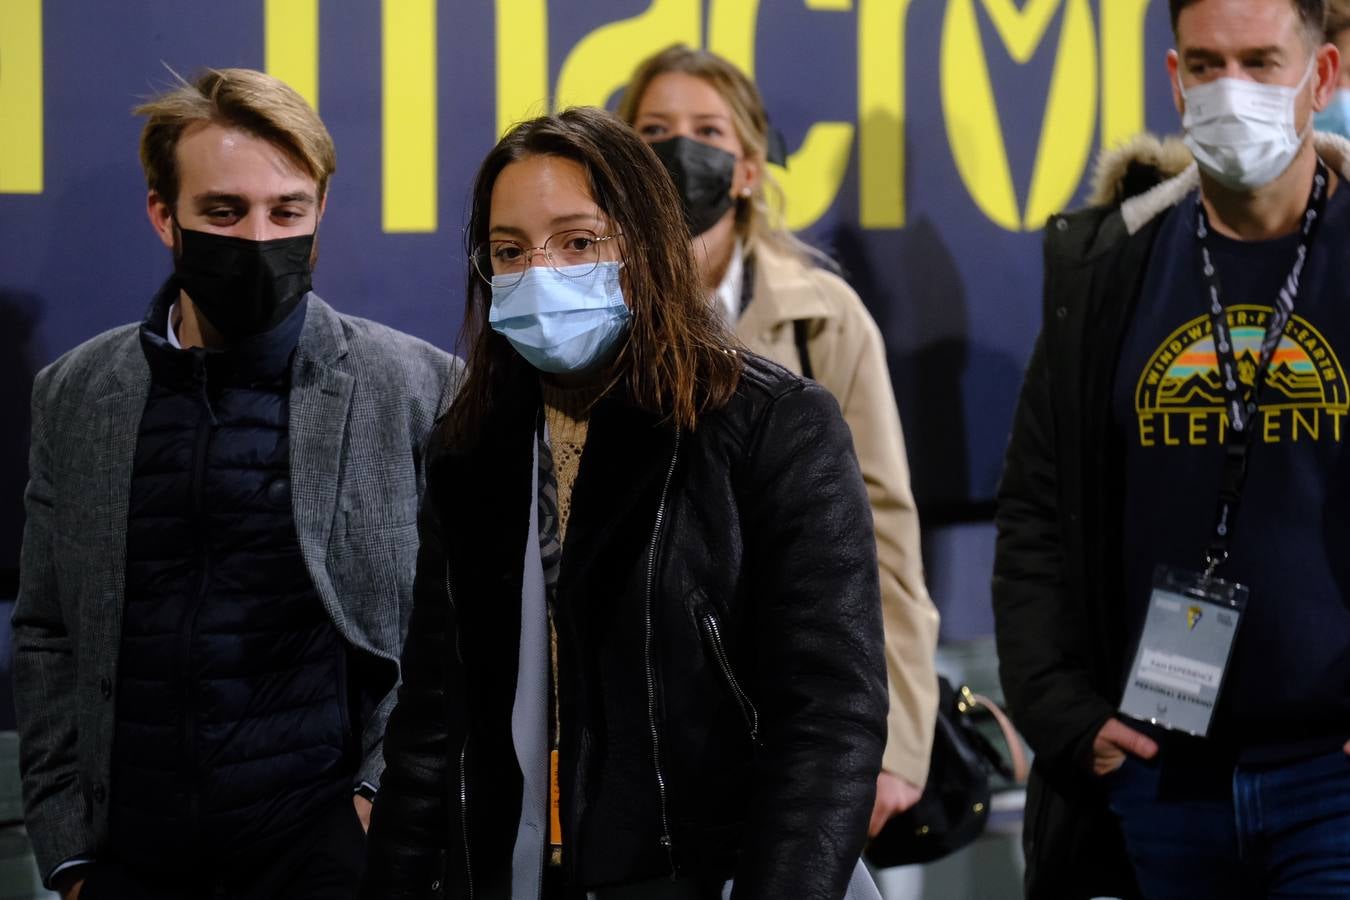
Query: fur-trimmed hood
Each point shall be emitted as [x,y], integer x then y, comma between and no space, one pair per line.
[1147,174]
[1135,166]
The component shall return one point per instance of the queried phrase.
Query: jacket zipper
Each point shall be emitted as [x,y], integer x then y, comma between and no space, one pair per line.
[651,664]
[714,630]
[463,753]
[187,628]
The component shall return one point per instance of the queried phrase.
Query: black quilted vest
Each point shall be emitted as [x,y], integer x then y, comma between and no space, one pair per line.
[232,721]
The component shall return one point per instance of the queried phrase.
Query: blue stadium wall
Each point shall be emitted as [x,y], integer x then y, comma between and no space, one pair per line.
[929,141]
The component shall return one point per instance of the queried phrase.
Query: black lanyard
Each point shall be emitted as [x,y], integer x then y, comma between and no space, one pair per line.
[1242,403]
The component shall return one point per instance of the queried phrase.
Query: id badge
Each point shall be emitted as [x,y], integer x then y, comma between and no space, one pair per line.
[1183,653]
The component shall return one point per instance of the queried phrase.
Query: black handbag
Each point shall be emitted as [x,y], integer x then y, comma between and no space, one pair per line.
[954,807]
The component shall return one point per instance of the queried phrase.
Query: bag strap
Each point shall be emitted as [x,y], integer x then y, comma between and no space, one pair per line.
[1021,767]
[800,336]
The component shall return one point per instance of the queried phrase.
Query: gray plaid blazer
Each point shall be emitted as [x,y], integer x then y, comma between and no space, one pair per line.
[363,400]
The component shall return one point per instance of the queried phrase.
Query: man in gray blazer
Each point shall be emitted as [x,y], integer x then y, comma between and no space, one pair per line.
[221,531]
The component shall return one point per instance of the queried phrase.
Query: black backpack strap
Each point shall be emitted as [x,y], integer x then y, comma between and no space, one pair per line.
[800,327]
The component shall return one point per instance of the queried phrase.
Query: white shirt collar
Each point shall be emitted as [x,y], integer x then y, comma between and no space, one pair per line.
[728,293]
[171,329]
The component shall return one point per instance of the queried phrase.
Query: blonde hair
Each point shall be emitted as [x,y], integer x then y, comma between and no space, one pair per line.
[761,218]
[240,98]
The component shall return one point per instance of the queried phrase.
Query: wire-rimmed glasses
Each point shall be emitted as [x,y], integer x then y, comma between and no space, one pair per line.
[573,253]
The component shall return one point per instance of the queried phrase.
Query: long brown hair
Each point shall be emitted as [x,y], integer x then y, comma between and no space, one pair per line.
[760,217]
[679,360]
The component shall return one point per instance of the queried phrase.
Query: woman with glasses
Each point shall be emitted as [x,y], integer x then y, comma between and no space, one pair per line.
[645,653]
[706,122]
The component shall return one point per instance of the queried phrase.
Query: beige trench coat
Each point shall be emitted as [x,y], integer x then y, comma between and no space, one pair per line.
[849,359]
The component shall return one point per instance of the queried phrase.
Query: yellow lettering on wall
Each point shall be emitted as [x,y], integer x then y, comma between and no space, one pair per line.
[815,173]
[731,32]
[21,97]
[881,112]
[1122,43]
[1021,30]
[409,126]
[1067,131]
[522,61]
[973,129]
[971,116]
[291,44]
[603,60]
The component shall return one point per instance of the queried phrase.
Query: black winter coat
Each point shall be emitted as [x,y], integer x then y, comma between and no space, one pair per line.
[723,684]
[1058,568]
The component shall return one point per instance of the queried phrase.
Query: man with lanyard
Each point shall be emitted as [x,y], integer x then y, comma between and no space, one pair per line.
[1172,587]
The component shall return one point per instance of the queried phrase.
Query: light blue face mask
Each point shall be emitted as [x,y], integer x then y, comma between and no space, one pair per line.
[1336,117]
[562,322]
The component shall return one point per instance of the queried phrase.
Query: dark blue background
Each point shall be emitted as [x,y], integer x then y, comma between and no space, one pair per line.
[956,296]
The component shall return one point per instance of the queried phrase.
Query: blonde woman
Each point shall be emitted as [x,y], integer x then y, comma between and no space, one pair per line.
[705,120]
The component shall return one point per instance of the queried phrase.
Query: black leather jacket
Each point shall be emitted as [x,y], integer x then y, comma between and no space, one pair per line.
[723,687]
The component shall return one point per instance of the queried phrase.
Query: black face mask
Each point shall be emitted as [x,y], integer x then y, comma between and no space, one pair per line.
[703,176]
[243,287]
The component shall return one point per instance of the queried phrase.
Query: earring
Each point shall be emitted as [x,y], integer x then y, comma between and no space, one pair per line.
[746,192]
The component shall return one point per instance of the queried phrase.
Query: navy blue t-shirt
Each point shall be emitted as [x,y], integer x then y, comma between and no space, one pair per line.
[1288,687]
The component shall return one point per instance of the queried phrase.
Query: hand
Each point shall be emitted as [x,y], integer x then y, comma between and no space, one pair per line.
[1114,741]
[894,796]
[363,808]
[69,883]
[1346,748]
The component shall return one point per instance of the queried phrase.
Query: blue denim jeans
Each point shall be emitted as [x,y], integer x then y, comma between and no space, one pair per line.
[1274,832]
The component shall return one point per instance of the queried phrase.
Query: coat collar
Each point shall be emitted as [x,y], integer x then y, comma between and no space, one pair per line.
[127,371]
[322,338]
[615,497]
[1141,209]
[258,358]
[786,290]
[320,405]
[627,455]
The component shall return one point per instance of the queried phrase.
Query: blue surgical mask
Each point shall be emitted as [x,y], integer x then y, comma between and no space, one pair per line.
[563,320]
[1336,117]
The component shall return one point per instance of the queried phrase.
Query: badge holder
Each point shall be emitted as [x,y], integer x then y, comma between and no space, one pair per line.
[1183,653]
[1193,617]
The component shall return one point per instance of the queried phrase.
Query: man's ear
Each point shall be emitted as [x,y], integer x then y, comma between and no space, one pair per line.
[1327,75]
[161,217]
[1174,80]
